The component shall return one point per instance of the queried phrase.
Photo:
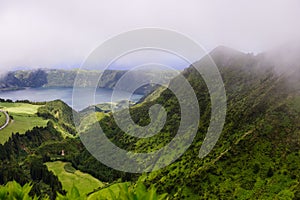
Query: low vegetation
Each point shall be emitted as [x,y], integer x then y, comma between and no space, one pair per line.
[70,177]
[23,117]
[13,190]
[2,119]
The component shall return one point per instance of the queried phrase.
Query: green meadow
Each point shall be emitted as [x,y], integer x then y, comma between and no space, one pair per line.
[70,177]
[24,118]
[2,119]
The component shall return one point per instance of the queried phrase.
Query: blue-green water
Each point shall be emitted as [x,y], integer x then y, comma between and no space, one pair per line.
[65,94]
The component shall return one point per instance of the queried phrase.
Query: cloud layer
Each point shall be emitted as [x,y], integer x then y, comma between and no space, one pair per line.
[55,33]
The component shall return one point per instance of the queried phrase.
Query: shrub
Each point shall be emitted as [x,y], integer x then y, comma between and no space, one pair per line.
[13,190]
[138,192]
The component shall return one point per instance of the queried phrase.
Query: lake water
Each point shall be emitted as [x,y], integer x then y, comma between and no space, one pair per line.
[65,94]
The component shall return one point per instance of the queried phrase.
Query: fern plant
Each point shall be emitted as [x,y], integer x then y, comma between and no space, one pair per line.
[139,192]
[14,191]
[73,195]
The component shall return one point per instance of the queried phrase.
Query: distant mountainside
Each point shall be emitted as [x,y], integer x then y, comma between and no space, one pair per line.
[65,78]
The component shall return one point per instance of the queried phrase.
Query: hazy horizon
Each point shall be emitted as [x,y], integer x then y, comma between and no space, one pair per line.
[55,34]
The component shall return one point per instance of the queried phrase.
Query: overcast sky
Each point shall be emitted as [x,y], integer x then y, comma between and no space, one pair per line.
[56,33]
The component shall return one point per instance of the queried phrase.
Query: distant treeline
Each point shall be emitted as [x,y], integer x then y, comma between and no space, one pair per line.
[22,101]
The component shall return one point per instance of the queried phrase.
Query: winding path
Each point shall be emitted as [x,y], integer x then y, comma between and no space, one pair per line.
[7,119]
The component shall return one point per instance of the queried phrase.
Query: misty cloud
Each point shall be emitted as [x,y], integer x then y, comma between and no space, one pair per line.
[63,33]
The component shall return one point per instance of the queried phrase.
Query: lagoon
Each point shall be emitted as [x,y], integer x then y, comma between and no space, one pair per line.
[65,94]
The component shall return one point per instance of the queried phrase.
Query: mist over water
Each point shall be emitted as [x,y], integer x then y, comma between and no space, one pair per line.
[65,94]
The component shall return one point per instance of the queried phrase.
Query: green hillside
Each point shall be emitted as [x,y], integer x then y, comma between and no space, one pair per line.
[257,154]
[61,114]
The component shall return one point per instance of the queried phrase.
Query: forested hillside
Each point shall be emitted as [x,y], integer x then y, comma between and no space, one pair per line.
[65,78]
[257,155]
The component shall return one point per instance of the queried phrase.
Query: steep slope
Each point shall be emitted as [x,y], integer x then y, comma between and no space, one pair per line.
[61,114]
[258,152]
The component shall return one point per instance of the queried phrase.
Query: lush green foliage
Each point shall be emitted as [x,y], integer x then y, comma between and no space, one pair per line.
[12,190]
[61,114]
[19,161]
[136,193]
[253,157]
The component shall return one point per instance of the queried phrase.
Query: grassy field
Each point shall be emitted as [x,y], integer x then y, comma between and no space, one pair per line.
[85,183]
[24,118]
[19,107]
[2,119]
[105,194]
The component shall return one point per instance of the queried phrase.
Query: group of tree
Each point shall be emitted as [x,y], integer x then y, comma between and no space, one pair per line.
[20,162]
